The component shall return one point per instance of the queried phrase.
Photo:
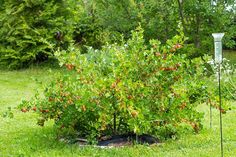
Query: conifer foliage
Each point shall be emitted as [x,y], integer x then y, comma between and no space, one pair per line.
[32,29]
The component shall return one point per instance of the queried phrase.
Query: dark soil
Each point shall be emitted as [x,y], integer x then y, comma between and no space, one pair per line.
[128,139]
[116,140]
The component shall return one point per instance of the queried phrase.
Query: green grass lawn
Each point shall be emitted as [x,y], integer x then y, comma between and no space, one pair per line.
[21,136]
[230,55]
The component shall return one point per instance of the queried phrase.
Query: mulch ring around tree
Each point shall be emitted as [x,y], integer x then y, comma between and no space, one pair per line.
[119,140]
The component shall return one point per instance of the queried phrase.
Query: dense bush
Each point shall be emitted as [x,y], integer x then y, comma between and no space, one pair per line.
[124,88]
[32,30]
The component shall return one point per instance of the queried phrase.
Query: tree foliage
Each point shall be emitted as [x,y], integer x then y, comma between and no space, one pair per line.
[160,20]
[28,27]
[31,30]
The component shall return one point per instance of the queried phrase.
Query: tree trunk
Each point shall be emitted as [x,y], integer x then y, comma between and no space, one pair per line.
[197,35]
[181,14]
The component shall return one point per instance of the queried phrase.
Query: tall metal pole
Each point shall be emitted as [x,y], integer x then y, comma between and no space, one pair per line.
[218,60]
[220,101]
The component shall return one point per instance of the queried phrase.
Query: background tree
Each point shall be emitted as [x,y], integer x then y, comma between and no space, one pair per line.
[161,19]
[31,30]
[201,18]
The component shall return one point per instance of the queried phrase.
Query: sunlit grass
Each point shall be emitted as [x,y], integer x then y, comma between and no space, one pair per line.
[21,136]
[230,55]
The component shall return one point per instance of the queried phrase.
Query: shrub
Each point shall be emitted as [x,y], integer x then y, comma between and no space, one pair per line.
[124,88]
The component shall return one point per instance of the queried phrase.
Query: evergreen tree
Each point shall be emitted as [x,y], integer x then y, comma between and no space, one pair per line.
[32,29]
